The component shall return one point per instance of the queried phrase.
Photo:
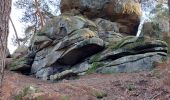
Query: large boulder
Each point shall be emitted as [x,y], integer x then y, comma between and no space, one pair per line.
[101,8]
[62,26]
[106,25]
[132,63]
[130,55]
[127,12]
[58,28]
[21,65]
[20,61]
[79,40]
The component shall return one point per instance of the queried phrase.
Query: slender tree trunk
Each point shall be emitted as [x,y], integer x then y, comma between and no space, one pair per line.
[5,9]
[169,13]
[15,31]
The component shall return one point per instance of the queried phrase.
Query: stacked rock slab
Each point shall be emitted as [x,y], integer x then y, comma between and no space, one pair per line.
[92,36]
[72,39]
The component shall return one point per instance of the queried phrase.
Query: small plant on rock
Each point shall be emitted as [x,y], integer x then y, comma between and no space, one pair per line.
[94,65]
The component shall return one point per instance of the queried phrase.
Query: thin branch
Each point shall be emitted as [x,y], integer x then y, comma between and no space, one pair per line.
[15,31]
[39,14]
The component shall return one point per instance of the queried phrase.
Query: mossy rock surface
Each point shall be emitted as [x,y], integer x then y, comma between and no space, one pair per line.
[62,26]
[20,65]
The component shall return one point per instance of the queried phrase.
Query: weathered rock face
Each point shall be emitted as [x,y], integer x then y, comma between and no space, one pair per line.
[20,52]
[21,61]
[75,45]
[101,8]
[126,12]
[79,40]
[156,29]
[130,55]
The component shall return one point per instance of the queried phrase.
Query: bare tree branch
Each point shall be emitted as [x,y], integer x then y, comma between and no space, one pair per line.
[15,31]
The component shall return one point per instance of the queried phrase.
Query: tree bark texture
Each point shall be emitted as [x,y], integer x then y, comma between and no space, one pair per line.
[169,13]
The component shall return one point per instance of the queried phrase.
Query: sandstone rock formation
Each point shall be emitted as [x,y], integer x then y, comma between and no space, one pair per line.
[94,39]
[126,12]
[156,29]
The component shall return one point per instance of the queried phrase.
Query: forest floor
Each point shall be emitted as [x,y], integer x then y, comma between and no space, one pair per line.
[152,85]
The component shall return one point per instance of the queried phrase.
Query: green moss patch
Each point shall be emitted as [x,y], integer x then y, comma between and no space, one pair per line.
[94,65]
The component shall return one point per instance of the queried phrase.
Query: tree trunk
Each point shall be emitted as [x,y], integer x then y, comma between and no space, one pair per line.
[169,13]
[5,9]
[39,14]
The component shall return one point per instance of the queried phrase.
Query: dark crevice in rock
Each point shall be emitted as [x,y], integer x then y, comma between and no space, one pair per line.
[71,76]
[117,56]
[135,30]
[151,50]
[132,52]
[79,54]
[58,69]
[24,70]
[148,46]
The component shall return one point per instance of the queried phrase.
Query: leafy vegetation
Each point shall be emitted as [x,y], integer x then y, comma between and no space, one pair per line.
[35,14]
[159,17]
[160,11]
[94,65]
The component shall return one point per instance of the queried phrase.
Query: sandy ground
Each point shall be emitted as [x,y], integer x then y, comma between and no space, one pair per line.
[153,85]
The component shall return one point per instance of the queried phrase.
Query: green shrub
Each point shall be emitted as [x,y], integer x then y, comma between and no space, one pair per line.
[95,65]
